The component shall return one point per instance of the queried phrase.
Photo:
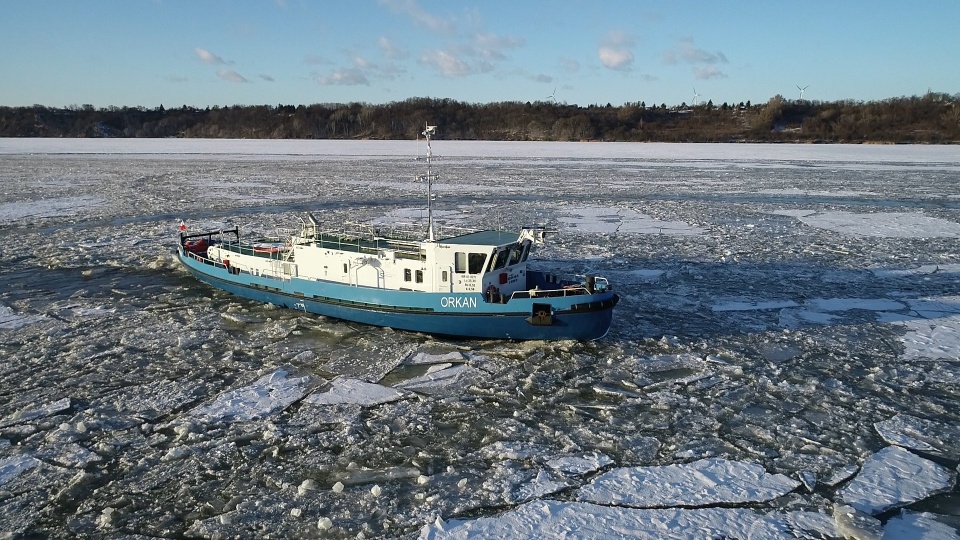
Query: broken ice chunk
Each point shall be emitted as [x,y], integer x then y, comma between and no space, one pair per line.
[32,413]
[579,465]
[438,380]
[701,483]
[919,526]
[851,523]
[264,397]
[345,390]
[13,467]
[922,435]
[893,477]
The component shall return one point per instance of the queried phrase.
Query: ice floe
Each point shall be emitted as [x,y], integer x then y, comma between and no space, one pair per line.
[701,483]
[918,526]
[542,519]
[266,396]
[883,224]
[32,413]
[926,436]
[345,390]
[610,220]
[894,477]
[579,465]
[13,467]
[11,320]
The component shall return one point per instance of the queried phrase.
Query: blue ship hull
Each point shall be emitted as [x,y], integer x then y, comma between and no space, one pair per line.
[552,315]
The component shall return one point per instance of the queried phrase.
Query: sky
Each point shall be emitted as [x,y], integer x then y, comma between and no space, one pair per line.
[270,52]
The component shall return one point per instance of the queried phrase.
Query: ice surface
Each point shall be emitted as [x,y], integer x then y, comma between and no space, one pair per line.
[790,305]
[13,467]
[33,412]
[701,483]
[10,320]
[64,206]
[918,526]
[344,390]
[266,396]
[608,220]
[926,436]
[887,224]
[554,519]
[894,477]
[579,465]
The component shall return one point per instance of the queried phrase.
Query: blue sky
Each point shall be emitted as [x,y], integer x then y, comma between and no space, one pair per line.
[218,52]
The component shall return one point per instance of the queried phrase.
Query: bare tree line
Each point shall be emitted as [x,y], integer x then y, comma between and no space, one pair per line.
[931,118]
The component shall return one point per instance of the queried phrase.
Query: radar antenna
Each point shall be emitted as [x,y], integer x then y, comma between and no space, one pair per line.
[429,177]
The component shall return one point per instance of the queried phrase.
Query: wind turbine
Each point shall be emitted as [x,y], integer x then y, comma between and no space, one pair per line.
[695,96]
[801,90]
[552,96]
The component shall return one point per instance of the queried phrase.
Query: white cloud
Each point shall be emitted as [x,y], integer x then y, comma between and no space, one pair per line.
[391,50]
[345,77]
[446,63]
[709,72]
[420,16]
[231,75]
[689,53]
[491,46]
[208,57]
[619,59]
[615,50]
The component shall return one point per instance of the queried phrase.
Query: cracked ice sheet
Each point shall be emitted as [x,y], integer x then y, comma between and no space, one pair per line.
[64,206]
[436,381]
[894,477]
[344,390]
[918,526]
[701,483]
[12,467]
[32,413]
[554,519]
[10,320]
[609,220]
[883,224]
[267,396]
[923,435]
[747,305]
[933,328]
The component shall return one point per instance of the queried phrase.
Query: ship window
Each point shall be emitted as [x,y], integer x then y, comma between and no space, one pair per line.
[515,253]
[501,259]
[344,268]
[471,263]
[476,262]
[443,276]
[419,276]
[526,250]
[406,274]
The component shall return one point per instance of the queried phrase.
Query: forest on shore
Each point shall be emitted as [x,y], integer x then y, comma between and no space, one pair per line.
[933,118]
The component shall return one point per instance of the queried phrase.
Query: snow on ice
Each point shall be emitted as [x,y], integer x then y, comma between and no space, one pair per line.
[264,397]
[785,310]
[344,390]
[701,483]
[894,477]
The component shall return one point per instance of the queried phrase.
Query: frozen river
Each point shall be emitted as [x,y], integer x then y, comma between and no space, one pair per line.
[784,361]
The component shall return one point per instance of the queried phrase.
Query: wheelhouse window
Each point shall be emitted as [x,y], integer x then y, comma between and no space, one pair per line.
[406,274]
[419,276]
[476,262]
[468,263]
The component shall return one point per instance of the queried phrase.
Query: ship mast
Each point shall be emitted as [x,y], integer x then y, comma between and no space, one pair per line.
[427,132]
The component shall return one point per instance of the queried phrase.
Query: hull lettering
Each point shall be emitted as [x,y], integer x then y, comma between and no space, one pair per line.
[460,302]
